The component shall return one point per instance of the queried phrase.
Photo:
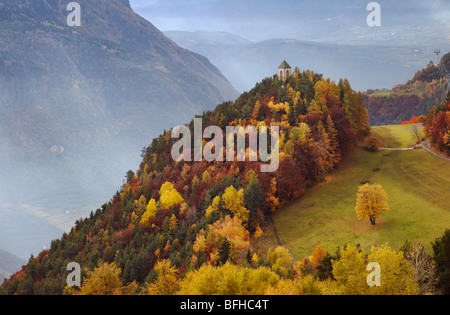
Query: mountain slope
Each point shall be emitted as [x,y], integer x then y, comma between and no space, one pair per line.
[181,212]
[9,264]
[73,98]
[416,97]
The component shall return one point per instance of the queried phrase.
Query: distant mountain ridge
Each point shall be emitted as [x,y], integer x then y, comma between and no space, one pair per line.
[74,98]
[9,264]
[243,62]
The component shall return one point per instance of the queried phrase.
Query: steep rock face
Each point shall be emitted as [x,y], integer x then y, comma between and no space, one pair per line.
[74,98]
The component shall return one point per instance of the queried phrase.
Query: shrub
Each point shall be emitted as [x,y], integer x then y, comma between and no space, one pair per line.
[372,143]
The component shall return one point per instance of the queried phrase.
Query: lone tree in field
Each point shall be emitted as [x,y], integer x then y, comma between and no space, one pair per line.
[371,202]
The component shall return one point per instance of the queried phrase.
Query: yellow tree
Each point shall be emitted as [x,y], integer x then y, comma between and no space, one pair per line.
[349,271]
[105,280]
[167,282]
[169,196]
[150,213]
[371,202]
[173,223]
[206,177]
[323,90]
[228,280]
[231,228]
[397,275]
[214,207]
[280,259]
[140,204]
[234,201]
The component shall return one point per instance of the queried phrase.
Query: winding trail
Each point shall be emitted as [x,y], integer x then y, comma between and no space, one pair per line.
[418,146]
[427,147]
[279,241]
[398,149]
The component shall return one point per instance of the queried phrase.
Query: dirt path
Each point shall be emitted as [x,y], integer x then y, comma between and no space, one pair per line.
[418,146]
[279,241]
[398,149]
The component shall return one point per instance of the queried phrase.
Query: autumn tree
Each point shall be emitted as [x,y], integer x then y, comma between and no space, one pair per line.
[150,213]
[372,143]
[397,275]
[350,272]
[318,255]
[234,202]
[140,204]
[167,281]
[371,202]
[231,229]
[423,265]
[417,132]
[281,259]
[213,208]
[105,280]
[228,280]
[169,196]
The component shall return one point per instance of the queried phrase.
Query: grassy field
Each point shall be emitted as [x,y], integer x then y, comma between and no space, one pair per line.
[415,181]
[397,136]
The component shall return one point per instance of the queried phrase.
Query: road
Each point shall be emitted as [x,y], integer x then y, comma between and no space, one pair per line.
[426,147]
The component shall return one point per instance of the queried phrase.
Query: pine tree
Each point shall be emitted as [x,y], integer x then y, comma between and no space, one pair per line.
[224,249]
[255,201]
[441,250]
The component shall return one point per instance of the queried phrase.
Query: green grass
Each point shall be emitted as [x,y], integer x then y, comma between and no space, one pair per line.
[381,93]
[415,181]
[396,136]
[405,90]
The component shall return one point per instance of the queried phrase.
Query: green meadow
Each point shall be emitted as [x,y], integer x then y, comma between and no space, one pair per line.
[398,136]
[417,185]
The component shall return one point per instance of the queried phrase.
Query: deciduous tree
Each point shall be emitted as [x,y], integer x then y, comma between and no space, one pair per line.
[167,281]
[371,202]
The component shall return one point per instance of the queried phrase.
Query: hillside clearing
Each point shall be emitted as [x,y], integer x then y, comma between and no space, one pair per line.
[417,187]
[397,136]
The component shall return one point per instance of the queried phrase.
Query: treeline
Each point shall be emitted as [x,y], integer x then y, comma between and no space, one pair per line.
[428,88]
[427,75]
[437,127]
[405,101]
[182,218]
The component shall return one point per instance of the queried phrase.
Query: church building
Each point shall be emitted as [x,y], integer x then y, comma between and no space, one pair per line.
[284,70]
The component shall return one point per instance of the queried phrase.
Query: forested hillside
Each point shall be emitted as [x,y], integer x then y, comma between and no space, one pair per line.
[173,224]
[426,89]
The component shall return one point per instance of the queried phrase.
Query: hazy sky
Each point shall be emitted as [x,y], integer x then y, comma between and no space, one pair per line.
[304,19]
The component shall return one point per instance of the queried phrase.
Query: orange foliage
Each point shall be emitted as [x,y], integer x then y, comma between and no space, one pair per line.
[413,120]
